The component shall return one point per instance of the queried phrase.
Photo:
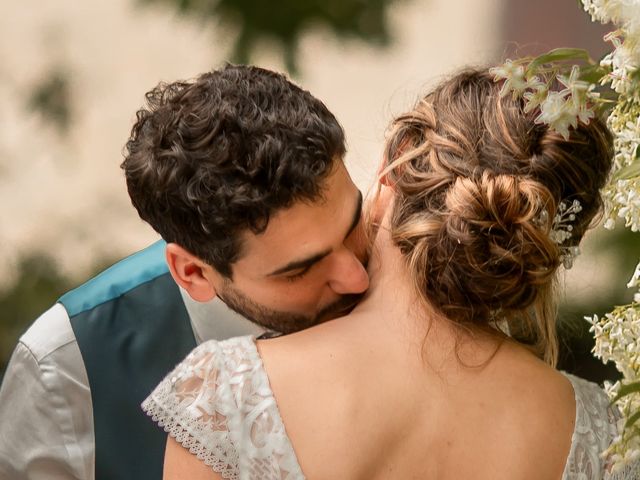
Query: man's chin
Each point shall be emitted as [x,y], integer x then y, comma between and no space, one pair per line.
[342,307]
[286,322]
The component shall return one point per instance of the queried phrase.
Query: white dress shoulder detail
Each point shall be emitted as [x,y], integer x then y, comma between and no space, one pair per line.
[595,429]
[218,404]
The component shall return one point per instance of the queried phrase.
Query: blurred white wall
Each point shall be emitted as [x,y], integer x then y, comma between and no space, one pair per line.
[65,194]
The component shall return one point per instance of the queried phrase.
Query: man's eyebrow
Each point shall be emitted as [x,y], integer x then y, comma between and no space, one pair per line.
[308,262]
[300,264]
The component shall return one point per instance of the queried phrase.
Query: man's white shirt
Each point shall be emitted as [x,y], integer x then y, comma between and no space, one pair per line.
[46,414]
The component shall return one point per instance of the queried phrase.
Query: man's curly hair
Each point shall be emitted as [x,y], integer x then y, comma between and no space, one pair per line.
[212,157]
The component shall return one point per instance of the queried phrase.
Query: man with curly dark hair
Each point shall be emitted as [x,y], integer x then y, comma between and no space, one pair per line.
[222,168]
[241,173]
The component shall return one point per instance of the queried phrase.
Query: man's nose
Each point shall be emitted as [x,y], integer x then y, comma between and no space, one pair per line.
[348,274]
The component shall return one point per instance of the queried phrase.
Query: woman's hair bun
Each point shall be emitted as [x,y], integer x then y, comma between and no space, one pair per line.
[503,252]
[477,184]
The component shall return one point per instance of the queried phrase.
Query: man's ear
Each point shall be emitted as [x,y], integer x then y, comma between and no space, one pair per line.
[188,271]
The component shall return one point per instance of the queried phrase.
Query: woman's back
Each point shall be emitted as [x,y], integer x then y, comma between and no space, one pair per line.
[359,413]
[374,408]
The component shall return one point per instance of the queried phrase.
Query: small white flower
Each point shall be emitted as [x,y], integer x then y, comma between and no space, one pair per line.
[630,208]
[600,10]
[536,94]
[585,114]
[622,199]
[559,113]
[574,86]
[635,278]
[513,76]
[624,123]
[623,61]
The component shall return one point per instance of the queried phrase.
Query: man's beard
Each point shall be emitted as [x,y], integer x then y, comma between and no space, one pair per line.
[284,322]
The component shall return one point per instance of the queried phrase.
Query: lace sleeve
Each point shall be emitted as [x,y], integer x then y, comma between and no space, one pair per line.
[184,404]
[217,403]
[596,427]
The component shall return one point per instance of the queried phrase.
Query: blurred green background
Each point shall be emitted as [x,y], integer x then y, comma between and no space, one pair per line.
[74,75]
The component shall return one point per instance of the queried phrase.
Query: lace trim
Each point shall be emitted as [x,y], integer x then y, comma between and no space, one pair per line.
[218,404]
[164,409]
[184,437]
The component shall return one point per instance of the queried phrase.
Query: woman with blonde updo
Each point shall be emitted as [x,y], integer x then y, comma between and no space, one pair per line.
[446,369]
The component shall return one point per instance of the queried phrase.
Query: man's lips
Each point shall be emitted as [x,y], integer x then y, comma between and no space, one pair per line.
[346,310]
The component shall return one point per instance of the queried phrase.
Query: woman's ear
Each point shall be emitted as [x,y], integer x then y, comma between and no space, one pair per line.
[380,203]
[383,197]
[188,271]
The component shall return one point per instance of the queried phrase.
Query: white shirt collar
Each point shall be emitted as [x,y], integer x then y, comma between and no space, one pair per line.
[213,320]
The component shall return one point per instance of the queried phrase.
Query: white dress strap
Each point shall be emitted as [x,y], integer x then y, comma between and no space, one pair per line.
[218,404]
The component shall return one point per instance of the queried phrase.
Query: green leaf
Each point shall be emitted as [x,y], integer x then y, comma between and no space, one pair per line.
[632,419]
[630,171]
[627,390]
[560,54]
[592,73]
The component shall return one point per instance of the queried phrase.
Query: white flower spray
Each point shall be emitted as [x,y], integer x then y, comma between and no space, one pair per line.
[532,79]
[617,334]
[562,85]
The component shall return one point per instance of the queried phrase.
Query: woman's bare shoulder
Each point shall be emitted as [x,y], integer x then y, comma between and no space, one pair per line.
[539,405]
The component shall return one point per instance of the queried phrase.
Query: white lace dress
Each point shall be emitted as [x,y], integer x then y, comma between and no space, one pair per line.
[218,404]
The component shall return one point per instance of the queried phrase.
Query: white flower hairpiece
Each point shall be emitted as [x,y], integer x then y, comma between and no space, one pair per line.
[532,79]
[562,229]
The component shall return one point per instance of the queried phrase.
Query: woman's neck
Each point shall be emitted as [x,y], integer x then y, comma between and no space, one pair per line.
[394,309]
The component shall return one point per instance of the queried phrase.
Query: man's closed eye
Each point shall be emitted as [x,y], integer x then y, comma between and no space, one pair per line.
[297,276]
